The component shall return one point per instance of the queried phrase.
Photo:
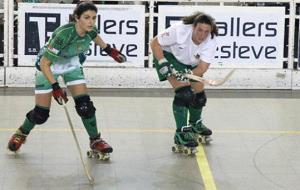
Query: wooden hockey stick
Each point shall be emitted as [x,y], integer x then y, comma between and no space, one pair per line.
[87,173]
[209,81]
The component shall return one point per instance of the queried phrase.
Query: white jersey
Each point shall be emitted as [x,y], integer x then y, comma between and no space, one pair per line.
[177,39]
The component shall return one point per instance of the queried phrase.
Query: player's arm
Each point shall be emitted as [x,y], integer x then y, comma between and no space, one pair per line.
[98,40]
[201,68]
[113,52]
[166,38]
[157,49]
[45,68]
[164,67]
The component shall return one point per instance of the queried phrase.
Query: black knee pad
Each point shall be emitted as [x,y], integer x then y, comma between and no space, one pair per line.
[183,96]
[199,100]
[38,115]
[85,107]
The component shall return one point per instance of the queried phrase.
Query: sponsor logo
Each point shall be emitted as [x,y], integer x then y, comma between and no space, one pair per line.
[163,70]
[197,56]
[52,49]
[38,30]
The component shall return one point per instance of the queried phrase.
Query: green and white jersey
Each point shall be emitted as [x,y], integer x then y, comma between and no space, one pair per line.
[65,49]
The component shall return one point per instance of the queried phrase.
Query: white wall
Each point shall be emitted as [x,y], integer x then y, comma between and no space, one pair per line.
[147,78]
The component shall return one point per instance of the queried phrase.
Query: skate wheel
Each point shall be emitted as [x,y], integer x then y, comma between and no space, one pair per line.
[180,148]
[174,149]
[201,139]
[89,154]
[204,139]
[98,156]
[187,151]
[105,157]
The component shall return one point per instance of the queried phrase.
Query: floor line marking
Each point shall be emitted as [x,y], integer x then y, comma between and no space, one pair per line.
[204,168]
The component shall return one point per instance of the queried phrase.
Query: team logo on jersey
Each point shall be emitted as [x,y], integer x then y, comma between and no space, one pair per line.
[165,34]
[197,56]
[52,49]
[79,48]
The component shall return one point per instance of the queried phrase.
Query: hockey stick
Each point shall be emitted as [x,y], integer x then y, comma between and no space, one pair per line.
[209,81]
[87,173]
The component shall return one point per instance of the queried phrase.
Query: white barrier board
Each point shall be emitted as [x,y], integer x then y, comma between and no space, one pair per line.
[249,37]
[122,26]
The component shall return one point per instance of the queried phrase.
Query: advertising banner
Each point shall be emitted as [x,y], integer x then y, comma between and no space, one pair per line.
[249,37]
[121,26]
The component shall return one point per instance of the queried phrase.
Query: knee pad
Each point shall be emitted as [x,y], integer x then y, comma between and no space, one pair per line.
[183,96]
[38,115]
[85,107]
[199,100]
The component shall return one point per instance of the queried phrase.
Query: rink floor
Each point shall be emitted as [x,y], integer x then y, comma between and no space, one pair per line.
[256,143]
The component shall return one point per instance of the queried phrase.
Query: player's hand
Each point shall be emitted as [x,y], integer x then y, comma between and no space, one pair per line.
[59,94]
[115,54]
[165,69]
[180,75]
[188,71]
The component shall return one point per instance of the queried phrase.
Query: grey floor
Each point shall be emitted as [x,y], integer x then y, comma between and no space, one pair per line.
[256,143]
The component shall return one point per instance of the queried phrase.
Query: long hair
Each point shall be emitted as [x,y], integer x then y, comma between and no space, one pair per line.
[200,17]
[81,7]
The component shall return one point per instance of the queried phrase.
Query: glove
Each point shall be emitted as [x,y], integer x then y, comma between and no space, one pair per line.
[165,68]
[115,54]
[180,75]
[59,94]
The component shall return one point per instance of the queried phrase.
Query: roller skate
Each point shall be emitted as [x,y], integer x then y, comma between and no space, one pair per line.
[99,149]
[202,133]
[16,141]
[185,142]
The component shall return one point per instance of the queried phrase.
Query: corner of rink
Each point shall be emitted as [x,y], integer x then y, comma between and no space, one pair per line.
[147,78]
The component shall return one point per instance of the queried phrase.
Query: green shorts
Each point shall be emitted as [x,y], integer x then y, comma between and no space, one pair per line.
[178,66]
[43,86]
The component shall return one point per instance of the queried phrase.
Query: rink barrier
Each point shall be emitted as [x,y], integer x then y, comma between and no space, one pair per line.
[244,78]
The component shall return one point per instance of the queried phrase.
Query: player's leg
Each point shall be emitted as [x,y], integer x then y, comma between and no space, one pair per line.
[196,108]
[86,110]
[183,97]
[37,116]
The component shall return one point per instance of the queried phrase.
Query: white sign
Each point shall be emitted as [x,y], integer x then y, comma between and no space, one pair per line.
[249,37]
[121,26]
